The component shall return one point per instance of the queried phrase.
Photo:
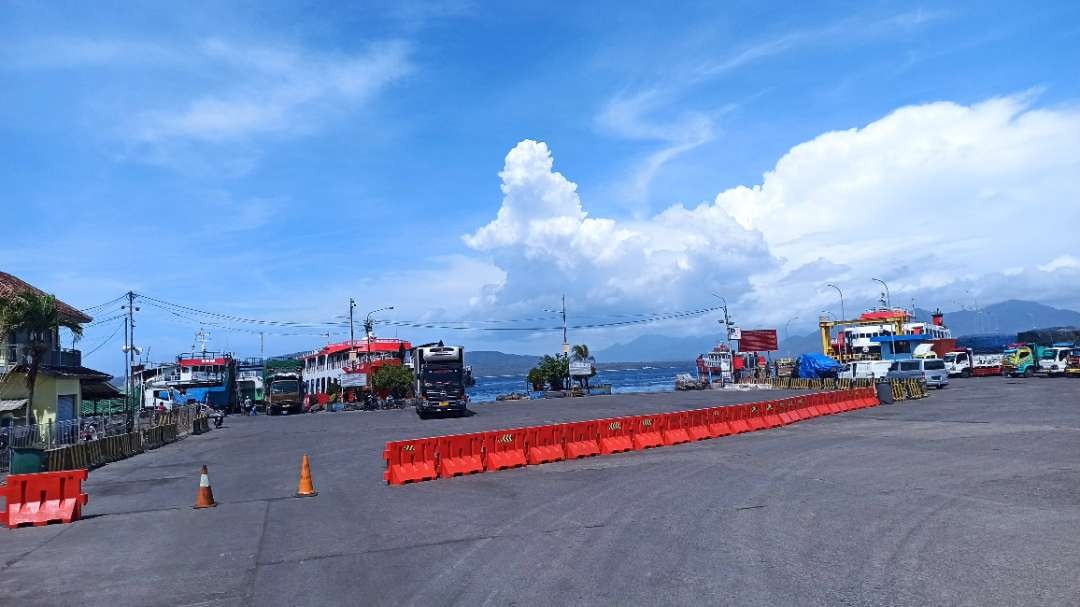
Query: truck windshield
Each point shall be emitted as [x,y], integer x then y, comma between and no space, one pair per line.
[950,358]
[289,386]
[442,377]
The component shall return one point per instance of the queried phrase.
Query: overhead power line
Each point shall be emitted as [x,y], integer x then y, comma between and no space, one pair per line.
[108,339]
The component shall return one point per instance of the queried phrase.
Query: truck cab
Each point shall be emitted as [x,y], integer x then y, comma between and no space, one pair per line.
[1019,360]
[285,395]
[440,379]
[959,363]
[1053,361]
[1072,367]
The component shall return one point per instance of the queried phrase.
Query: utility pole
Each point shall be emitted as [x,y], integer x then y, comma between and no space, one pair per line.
[352,330]
[129,350]
[262,345]
[565,345]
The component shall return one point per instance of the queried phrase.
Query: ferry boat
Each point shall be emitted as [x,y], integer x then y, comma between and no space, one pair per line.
[858,340]
[350,364]
[199,377]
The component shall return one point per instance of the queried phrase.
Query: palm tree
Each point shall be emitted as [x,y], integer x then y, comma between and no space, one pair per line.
[580,353]
[38,317]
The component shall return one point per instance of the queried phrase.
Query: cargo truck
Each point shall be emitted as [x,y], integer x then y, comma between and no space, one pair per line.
[1053,360]
[1072,368]
[440,379]
[285,395]
[1021,360]
[966,363]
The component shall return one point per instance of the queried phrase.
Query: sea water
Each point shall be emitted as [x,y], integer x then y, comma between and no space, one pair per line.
[648,377]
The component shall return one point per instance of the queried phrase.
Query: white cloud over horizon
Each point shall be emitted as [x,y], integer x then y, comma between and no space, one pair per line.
[939,199]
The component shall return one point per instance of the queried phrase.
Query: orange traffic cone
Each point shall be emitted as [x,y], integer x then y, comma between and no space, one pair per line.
[205,498]
[305,488]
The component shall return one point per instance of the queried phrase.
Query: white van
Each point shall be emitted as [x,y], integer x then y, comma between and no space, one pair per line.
[864,369]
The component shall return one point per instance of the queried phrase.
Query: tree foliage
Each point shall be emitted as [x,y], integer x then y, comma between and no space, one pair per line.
[552,370]
[38,316]
[397,381]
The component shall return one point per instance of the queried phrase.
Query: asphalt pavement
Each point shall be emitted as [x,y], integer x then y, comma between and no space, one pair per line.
[969,497]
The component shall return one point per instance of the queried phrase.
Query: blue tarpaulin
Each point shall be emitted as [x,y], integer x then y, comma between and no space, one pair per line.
[817,365]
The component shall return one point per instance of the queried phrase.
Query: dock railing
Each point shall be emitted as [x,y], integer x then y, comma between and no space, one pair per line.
[180,421]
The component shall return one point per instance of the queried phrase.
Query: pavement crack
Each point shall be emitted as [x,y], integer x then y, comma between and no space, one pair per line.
[10,562]
[448,542]
[250,595]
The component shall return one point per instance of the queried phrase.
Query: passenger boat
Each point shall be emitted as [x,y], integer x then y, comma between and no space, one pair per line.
[715,365]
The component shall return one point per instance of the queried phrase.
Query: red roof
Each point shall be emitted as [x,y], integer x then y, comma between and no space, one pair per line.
[10,285]
[883,315]
[361,346]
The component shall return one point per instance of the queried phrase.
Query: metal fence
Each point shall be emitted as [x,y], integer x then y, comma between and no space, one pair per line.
[90,428]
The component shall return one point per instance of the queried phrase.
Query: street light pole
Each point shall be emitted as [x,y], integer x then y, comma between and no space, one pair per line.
[727,320]
[888,300]
[787,327]
[843,314]
[369,328]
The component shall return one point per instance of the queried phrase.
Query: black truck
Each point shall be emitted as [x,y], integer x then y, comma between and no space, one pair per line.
[440,379]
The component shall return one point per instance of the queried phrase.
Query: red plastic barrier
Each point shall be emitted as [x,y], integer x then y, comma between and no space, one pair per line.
[698,425]
[771,415]
[504,449]
[43,498]
[408,461]
[719,421]
[544,444]
[850,400]
[833,402]
[581,439]
[461,454]
[786,409]
[647,432]
[673,428]
[755,416]
[616,434]
[800,408]
[820,406]
[870,398]
[739,418]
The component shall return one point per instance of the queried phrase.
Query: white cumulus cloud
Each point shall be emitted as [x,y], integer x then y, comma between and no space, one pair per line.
[940,200]
[547,243]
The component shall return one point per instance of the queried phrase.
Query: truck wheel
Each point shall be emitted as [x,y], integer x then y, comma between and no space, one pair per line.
[1028,372]
[965,373]
[421,414]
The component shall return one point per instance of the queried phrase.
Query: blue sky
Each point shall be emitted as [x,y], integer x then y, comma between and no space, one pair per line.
[471,161]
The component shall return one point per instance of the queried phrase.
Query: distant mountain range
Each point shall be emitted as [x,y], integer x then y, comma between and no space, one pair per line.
[1007,317]
[492,362]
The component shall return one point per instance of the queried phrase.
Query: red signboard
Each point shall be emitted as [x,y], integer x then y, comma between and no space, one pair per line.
[758,340]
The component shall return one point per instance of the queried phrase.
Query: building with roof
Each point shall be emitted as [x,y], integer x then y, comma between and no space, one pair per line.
[348,364]
[62,382]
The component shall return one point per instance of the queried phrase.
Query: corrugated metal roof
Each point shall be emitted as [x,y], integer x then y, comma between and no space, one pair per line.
[12,404]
